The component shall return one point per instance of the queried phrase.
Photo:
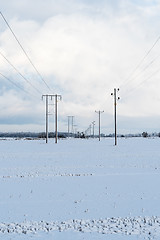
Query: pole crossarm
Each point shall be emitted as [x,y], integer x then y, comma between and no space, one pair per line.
[52,95]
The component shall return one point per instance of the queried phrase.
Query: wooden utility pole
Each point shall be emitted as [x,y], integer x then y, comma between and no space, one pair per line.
[93,123]
[56,116]
[115,115]
[68,125]
[115,112]
[46,96]
[99,113]
[72,120]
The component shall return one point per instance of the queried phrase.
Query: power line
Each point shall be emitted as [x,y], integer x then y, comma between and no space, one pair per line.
[144,69]
[20,74]
[16,84]
[25,51]
[140,63]
[133,89]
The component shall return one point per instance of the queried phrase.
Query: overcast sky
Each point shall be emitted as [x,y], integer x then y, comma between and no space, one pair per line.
[83,49]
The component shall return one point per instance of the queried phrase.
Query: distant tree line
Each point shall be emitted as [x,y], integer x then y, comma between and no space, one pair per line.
[40,135]
[30,135]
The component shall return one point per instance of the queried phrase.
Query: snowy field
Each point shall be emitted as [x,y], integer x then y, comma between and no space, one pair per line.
[80,189]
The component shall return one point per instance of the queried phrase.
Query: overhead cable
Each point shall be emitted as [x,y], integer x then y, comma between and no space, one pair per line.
[24,51]
[146,79]
[140,63]
[145,68]
[18,86]
[21,74]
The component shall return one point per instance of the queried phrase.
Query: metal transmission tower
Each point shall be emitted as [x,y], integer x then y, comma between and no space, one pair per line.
[115,111]
[99,113]
[50,96]
[93,124]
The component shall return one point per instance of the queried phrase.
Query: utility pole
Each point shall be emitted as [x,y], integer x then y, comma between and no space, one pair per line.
[56,116]
[115,112]
[47,96]
[72,124]
[70,117]
[46,118]
[93,123]
[68,124]
[99,113]
[90,126]
[75,128]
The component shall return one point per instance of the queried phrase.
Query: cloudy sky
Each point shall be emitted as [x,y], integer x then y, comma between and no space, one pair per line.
[83,49]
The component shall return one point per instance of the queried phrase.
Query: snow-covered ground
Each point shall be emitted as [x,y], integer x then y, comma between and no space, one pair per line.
[80,189]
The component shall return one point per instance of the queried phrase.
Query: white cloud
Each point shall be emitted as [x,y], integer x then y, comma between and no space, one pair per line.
[84,53]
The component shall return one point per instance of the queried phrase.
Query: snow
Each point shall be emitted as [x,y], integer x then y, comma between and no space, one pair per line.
[80,189]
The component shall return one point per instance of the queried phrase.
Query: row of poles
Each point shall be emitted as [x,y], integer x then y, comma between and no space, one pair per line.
[89,129]
[57,97]
[114,94]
